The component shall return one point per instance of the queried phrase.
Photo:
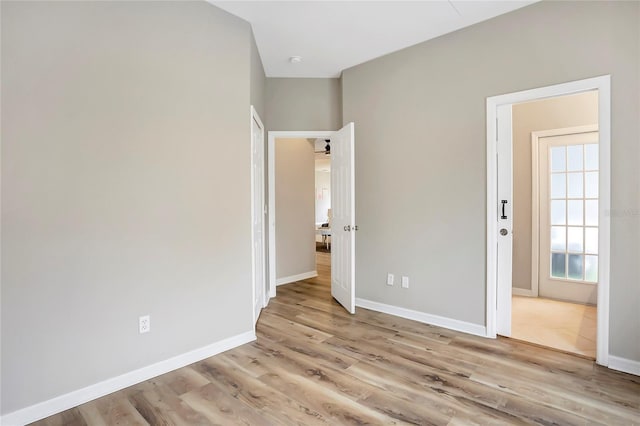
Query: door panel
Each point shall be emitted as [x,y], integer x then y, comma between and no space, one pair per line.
[568,217]
[257,213]
[343,217]
[504,219]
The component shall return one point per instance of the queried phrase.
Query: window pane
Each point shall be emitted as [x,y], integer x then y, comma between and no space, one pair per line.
[591,240]
[558,185]
[557,265]
[575,266]
[558,212]
[575,212]
[558,238]
[574,238]
[574,157]
[558,159]
[591,156]
[591,185]
[591,268]
[575,185]
[591,212]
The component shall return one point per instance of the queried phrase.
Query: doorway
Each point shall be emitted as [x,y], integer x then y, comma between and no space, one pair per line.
[500,210]
[342,206]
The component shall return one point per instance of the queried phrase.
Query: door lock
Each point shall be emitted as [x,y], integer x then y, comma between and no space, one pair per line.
[504,231]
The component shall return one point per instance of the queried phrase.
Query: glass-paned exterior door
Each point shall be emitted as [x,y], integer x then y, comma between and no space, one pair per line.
[569,217]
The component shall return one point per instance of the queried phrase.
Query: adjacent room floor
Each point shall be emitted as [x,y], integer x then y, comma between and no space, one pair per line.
[569,327]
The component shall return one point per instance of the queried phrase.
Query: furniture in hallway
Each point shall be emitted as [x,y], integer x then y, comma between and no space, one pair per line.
[325,233]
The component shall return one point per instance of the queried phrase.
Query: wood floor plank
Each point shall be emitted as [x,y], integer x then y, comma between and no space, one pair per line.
[91,414]
[307,367]
[334,406]
[159,405]
[256,394]
[183,380]
[314,363]
[72,417]
[221,408]
[117,410]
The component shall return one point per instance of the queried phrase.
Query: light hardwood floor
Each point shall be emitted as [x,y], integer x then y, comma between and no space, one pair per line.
[313,363]
[568,327]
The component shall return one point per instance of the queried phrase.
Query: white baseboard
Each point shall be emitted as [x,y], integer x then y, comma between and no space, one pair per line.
[521,292]
[453,324]
[624,365]
[294,278]
[89,393]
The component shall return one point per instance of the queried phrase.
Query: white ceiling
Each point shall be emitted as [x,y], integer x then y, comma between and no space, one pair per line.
[331,36]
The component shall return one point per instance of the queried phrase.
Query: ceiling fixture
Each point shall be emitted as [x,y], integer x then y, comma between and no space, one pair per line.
[295,59]
[327,148]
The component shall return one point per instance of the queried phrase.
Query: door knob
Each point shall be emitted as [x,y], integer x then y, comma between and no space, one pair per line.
[504,231]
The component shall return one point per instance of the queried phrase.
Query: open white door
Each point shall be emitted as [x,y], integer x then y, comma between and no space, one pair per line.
[257,213]
[343,217]
[504,218]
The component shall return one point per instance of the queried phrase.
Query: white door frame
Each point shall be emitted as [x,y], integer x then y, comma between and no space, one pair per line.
[535,193]
[603,85]
[271,159]
[255,117]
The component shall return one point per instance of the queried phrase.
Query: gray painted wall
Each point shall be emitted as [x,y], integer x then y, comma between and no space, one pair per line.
[125,188]
[295,207]
[555,113]
[298,104]
[304,104]
[420,147]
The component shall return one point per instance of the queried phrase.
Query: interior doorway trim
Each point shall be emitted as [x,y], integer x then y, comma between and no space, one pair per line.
[271,209]
[603,85]
[535,193]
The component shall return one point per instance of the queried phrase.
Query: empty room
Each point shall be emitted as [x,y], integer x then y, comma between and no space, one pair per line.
[145,273]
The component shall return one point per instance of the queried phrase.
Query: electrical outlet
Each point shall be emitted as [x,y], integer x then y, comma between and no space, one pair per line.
[405,282]
[389,279]
[144,324]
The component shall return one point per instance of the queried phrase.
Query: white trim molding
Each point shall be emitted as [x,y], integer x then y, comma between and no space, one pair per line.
[603,85]
[522,292]
[625,365]
[298,277]
[73,399]
[452,324]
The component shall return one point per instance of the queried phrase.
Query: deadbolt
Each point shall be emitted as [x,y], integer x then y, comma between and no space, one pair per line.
[504,231]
